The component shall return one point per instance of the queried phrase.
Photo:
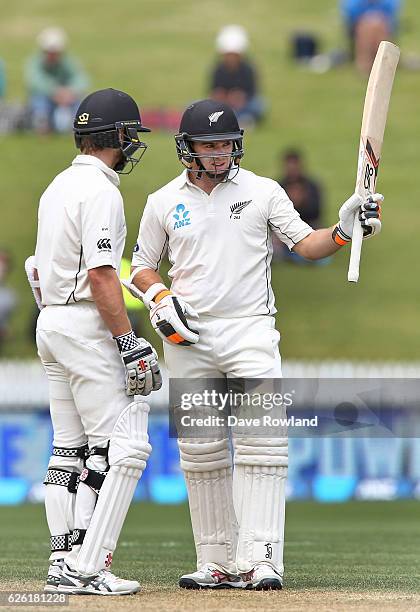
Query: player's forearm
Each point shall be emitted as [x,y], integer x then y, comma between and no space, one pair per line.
[145,279]
[317,245]
[107,293]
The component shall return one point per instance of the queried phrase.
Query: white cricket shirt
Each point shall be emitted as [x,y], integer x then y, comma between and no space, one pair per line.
[81,226]
[220,244]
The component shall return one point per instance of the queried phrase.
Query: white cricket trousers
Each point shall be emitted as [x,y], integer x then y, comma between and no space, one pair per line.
[85,374]
[245,347]
[237,515]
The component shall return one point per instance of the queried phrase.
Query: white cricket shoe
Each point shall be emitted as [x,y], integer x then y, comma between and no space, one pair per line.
[263,577]
[104,583]
[211,576]
[54,575]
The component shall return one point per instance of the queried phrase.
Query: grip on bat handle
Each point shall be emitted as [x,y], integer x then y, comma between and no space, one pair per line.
[356,250]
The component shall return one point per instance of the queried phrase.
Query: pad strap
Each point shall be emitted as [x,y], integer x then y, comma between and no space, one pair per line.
[102,451]
[93,479]
[80,451]
[61,542]
[78,535]
[63,478]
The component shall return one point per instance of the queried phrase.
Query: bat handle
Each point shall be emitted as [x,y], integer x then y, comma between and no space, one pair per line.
[356,250]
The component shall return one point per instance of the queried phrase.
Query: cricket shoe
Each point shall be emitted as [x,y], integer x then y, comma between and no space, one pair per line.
[263,577]
[55,572]
[104,583]
[211,576]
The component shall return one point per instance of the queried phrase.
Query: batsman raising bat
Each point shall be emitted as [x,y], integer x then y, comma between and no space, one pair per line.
[216,220]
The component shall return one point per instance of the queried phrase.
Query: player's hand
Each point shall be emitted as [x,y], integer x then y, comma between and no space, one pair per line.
[370,215]
[170,318]
[33,280]
[369,212]
[140,360]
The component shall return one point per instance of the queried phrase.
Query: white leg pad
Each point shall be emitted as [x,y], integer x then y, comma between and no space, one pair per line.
[129,450]
[259,495]
[207,467]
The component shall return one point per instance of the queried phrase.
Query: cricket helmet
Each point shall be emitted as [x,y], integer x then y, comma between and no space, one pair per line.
[111,118]
[208,121]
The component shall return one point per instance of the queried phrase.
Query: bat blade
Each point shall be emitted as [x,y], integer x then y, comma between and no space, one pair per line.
[375,112]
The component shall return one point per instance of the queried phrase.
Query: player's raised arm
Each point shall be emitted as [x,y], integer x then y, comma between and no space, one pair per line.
[324,242]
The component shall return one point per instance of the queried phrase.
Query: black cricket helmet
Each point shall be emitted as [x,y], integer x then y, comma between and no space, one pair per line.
[209,121]
[111,118]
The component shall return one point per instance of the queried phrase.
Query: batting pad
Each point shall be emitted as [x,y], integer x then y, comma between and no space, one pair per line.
[207,467]
[259,480]
[129,450]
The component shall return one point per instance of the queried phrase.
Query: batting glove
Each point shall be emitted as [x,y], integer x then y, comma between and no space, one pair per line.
[369,212]
[140,360]
[170,316]
[34,284]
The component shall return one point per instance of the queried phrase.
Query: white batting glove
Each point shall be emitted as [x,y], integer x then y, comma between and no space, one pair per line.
[170,317]
[140,360]
[369,212]
[34,284]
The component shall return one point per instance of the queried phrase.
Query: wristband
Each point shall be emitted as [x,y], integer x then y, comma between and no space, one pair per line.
[152,292]
[126,342]
[159,296]
[339,236]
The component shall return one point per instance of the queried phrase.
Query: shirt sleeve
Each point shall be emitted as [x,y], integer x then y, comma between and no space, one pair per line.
[152,241]
[284,220]
[100,217]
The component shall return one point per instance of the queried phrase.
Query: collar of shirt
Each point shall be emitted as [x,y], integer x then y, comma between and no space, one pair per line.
[91,160]
[183,179]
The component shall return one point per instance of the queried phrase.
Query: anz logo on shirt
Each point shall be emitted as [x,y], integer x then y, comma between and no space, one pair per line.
[181,216]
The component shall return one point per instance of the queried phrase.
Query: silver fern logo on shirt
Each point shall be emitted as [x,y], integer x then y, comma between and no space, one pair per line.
[237,208]
[214,117]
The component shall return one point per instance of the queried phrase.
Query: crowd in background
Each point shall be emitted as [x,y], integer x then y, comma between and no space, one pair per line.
[55,82]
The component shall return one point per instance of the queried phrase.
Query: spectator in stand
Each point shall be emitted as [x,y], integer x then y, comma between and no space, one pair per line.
[7,297]
[305,193]
[368,22]
[234,79]
[55,83]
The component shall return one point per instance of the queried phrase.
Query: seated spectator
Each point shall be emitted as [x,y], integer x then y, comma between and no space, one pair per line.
[234,78]
[368,22]
[305,193]
[55,83]
[7,298]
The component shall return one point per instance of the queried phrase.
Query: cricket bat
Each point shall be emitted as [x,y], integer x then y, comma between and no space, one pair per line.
[375,111]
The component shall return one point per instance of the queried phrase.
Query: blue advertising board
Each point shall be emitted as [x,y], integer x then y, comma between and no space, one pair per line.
[328,469]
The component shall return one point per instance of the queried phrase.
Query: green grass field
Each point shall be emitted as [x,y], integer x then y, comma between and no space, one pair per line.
[333,553]
[161,52]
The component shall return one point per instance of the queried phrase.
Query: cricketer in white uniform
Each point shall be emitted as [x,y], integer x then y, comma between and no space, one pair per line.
[91,356]
[215,221]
